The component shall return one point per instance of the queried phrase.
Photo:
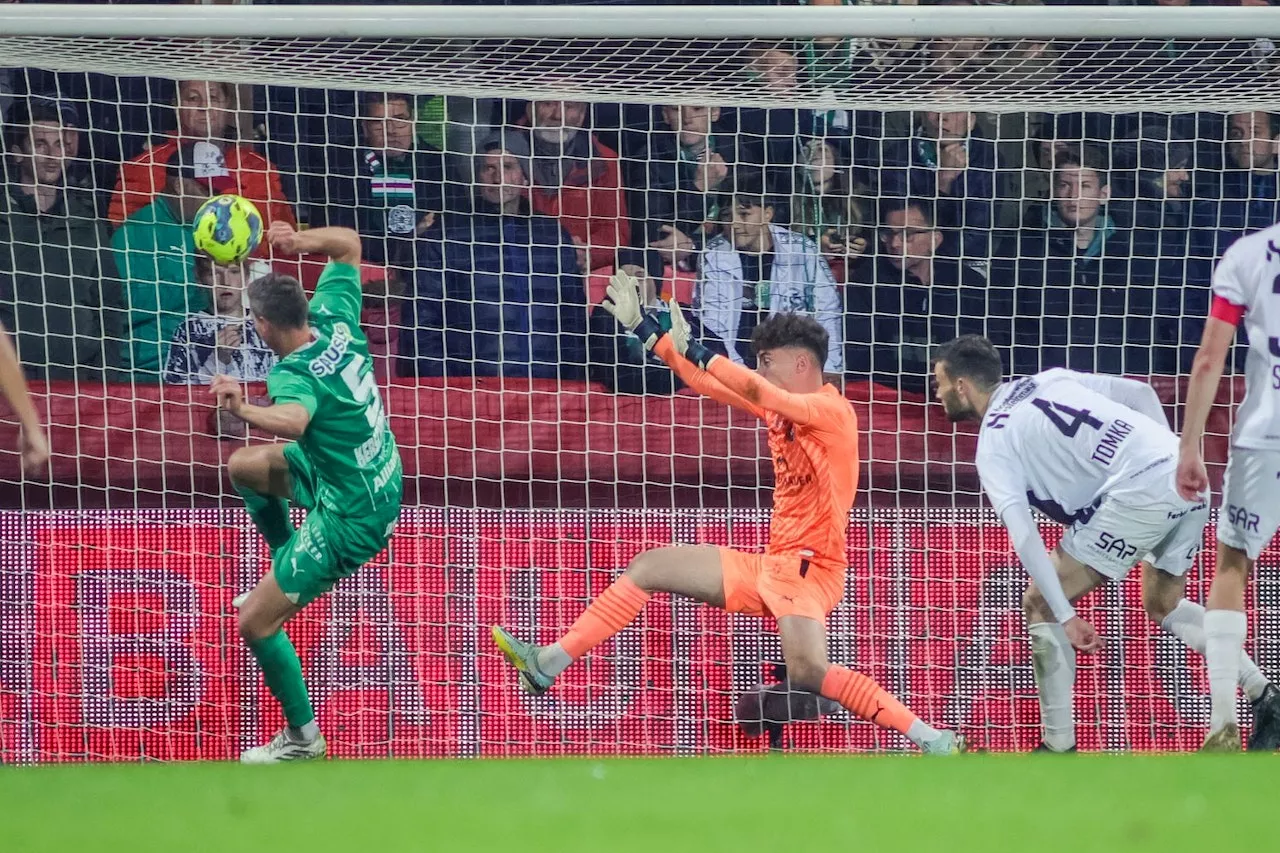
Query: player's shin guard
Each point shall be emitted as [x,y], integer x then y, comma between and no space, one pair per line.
[283,673]
[270,515]
[862,696]
[1224,633]
[1186,622]
[1054,662]
[614,610]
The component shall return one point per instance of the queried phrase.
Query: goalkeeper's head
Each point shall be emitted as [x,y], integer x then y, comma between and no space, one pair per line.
[790,351]
[280,311]
[967,371]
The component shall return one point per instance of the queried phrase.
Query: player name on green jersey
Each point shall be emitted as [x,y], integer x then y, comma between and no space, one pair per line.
[349,440]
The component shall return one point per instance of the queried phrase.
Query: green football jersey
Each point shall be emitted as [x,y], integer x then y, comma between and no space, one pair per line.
[348,441]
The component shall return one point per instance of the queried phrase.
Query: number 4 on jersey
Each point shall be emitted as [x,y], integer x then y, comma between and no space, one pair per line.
[1069,428]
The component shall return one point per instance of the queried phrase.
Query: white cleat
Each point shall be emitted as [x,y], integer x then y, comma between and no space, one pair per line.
[946,743]
[284,748]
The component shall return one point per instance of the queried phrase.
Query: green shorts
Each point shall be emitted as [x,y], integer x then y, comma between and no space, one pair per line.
[327,547]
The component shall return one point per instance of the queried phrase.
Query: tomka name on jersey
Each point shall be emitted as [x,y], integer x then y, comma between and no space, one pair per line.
[1049,441]
[1248,276]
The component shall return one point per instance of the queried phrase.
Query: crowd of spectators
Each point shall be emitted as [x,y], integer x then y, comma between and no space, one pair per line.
[491,226]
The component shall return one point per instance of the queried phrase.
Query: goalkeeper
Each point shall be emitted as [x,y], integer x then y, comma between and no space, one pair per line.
[341,464]
[813,438]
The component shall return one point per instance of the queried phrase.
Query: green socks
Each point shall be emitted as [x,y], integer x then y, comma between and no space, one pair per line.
[270,514]
[283,673]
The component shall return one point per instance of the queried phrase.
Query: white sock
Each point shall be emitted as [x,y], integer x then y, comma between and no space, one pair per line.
[306,733]
[1224,633]
[553,659]
[1186,622]
[1054,661]
[921,733]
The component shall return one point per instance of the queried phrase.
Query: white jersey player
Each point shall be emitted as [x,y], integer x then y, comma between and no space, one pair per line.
[1246,284]
[1096,454]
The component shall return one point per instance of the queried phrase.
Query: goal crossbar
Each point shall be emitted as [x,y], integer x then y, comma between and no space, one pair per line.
[996,60]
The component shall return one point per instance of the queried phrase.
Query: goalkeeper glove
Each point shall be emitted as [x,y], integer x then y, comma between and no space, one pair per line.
[682,338]
[623,302]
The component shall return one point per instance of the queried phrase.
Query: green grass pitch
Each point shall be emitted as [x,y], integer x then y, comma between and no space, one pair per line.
[758,804]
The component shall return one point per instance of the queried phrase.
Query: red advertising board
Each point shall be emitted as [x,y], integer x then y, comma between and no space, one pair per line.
[118,640]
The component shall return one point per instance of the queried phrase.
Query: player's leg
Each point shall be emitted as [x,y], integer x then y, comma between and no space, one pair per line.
[1248,520]
[804,649]
[693,571]
[1164,599]
[322,551]
[1053,657]
[262,477]
[262,617]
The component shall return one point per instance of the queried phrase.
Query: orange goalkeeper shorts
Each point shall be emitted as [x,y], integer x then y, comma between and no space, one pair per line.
[779,585]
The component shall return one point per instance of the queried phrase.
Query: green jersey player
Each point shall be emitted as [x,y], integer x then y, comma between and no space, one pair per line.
[341,464]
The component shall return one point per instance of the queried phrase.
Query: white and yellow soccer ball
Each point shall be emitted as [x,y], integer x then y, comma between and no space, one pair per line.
[228,228]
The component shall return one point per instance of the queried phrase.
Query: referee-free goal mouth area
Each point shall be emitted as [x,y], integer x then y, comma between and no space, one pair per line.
[1112,802]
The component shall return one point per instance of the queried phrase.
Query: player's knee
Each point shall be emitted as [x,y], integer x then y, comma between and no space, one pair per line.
[643,571]
[243,466]
[1034,606]
[253,628]
[1159,602]
[1233,562]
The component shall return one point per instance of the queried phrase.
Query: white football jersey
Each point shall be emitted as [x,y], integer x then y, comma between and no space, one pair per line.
[1249,275]
[1060,440]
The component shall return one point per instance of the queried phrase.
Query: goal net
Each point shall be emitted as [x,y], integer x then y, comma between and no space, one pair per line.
[1058,179]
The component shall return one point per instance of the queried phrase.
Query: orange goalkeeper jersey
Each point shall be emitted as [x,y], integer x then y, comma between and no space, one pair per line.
[813,439]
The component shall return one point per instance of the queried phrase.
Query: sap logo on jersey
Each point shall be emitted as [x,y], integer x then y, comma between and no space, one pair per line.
[326,363]
[1240,516]
[1115,545]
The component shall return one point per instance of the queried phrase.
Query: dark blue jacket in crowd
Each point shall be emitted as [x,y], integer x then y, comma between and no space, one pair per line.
[1093,310]
[894,322]
[1183,267]
[909,168]
[1247,202]
[495,295]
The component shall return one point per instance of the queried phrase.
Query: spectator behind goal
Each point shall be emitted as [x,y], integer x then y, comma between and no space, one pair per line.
[155,253]
[760,269]
[206,113]
[222,339]
[497,292]
[59,292]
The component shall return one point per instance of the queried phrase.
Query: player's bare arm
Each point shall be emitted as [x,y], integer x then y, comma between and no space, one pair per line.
[285,420]
[33,444]
[338,244]
[1206,373]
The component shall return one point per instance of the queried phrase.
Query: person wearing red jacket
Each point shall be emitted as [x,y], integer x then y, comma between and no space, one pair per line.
[576,180]
[205,113]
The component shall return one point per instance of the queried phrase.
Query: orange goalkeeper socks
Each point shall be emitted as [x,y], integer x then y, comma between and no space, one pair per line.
[614,610]
[868,700]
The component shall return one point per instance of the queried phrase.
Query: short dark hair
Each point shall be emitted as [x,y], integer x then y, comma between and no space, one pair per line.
[31,110]
[368,99]
[1086,157]
[971,357]
[280,300]
[791,330]
[892,204]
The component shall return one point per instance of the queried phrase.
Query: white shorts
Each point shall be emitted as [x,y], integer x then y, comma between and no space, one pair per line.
[1250,511]
[1163,530]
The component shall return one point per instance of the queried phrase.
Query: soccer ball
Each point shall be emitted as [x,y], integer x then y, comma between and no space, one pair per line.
[228,228]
